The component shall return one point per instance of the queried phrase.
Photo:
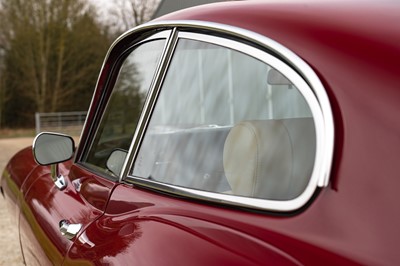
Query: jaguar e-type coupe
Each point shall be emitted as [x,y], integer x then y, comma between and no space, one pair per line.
[236,133]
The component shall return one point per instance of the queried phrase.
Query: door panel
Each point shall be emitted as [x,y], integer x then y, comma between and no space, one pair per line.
[44,206]
[144,228]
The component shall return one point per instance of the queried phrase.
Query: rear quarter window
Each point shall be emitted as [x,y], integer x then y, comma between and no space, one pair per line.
[221,124]
[234,124]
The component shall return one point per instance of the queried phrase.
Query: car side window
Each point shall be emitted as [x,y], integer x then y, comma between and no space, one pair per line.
[118,123]
[226,122]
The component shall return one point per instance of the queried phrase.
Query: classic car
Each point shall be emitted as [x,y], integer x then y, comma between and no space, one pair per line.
[236,133]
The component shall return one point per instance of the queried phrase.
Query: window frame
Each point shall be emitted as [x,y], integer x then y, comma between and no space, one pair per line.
[260,47]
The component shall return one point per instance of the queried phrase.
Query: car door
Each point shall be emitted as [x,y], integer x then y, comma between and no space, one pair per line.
[55,213]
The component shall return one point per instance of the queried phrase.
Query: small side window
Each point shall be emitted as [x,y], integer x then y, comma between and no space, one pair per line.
[118,124]
[229,123]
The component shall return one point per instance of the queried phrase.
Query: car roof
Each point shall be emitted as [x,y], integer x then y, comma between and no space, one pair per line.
[324,33]
[310,28]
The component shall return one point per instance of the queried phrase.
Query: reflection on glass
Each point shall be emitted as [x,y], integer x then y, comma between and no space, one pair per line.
[196,128]
[123,110]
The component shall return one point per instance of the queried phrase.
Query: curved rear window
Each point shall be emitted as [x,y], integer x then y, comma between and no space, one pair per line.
[230,123]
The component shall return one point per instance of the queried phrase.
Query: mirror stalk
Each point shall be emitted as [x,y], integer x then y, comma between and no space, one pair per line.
[58,179]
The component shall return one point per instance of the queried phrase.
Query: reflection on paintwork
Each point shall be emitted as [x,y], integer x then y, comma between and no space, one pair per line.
[84,240]
[44,209]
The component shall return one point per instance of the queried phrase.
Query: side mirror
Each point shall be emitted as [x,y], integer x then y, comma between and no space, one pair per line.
[116,161]
[52,148]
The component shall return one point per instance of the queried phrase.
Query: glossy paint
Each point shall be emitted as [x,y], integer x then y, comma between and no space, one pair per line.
[354,47]
[41,206]
[141,227]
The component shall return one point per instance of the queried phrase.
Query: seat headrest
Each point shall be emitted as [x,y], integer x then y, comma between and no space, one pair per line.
[270,159]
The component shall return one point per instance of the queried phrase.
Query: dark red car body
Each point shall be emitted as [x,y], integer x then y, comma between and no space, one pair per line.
[354,48]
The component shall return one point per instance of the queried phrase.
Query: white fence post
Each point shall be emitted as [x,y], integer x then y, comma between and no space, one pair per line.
[37,123]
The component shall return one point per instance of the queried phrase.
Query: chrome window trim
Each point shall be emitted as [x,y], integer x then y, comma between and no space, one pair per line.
[310,86]
[149,103]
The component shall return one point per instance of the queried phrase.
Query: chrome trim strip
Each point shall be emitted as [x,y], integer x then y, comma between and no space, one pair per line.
[150,102]
[251,203]
[306,80]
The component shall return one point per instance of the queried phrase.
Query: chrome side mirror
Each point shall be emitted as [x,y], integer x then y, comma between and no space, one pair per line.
[53,148]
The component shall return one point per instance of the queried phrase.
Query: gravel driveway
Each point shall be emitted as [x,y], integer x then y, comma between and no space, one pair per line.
[9,243]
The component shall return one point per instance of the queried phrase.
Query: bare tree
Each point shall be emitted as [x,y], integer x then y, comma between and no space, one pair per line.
[48,46]
[130,13]
[3,95]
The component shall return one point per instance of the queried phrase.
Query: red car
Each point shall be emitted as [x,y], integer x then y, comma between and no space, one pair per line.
[238,133]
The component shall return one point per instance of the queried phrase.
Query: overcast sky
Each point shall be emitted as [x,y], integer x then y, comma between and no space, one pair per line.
[103,5]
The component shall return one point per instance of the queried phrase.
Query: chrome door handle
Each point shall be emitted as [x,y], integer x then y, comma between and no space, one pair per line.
[69,230]
[60,182]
